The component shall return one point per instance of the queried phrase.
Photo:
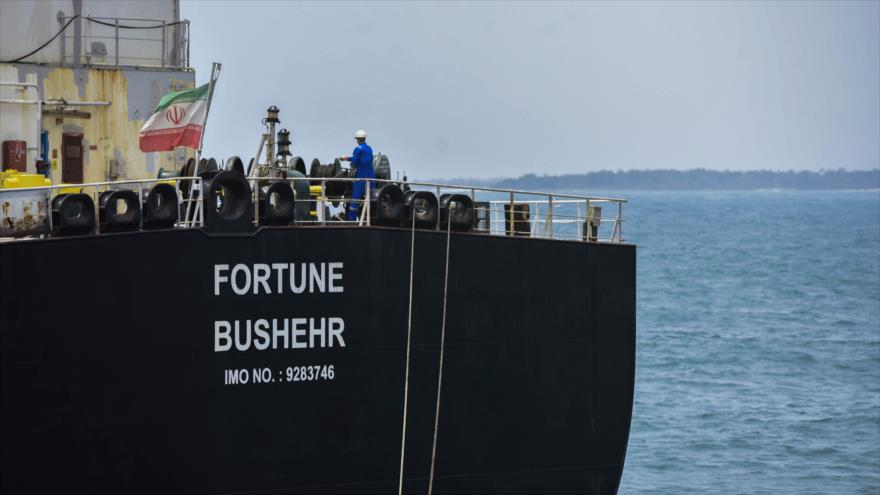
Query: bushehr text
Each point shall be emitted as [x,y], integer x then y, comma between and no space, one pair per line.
[278,333]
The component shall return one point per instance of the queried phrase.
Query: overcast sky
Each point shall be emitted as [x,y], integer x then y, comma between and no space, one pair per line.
[492,89]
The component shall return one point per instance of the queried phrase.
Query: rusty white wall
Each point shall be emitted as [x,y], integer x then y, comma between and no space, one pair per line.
[26,25]
[20,121]
[112,132]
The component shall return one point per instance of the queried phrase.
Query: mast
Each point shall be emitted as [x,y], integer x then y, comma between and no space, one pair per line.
[215,73]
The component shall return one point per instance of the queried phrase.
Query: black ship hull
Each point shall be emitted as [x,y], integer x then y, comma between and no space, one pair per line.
[121,369]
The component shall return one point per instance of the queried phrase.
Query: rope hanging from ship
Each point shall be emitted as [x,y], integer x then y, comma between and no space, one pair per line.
[442,348]
[412,254]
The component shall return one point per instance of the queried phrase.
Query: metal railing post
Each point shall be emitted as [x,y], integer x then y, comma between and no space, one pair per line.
[438,207]
[49,210]
[187,44]
[256,200]
[116,37]
[367,202]
[587,226]
[511,216]
[577,221]
[476,208]
[550,214]
[320,203]
[61,20]
[619,222]
[538,216]
[163,43]
[533,231]
[200,204]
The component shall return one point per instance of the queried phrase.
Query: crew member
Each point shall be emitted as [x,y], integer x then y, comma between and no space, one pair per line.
[362,161]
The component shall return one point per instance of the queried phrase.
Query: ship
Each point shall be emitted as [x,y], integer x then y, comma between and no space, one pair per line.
[178,324]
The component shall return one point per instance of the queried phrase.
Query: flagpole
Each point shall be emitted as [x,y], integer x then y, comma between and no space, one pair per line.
[215,73]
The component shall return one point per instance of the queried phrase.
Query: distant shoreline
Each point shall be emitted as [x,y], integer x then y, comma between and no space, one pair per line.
[691,180]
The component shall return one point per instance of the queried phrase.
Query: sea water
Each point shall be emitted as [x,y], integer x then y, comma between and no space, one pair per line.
[758,361]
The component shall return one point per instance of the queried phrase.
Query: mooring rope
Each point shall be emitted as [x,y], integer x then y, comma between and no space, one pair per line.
[442,346]
[412,255]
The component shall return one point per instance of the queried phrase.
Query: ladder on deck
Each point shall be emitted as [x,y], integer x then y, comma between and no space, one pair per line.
[194,211]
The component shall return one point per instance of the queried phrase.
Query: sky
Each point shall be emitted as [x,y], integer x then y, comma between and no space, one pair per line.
[500,89]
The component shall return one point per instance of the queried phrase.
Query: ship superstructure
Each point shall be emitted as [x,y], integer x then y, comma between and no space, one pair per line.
[78,78]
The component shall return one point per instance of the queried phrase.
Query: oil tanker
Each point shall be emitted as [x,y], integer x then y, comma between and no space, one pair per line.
[224,328]
[313,357]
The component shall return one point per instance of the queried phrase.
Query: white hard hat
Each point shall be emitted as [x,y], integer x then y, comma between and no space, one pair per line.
[361,134]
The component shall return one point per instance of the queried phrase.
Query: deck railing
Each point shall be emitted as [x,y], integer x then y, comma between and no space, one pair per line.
[129,42]
[500,212]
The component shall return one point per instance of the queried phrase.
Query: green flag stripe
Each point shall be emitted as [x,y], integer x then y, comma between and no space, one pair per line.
[185,96]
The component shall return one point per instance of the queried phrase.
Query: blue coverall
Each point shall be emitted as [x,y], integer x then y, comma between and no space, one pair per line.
[362,162]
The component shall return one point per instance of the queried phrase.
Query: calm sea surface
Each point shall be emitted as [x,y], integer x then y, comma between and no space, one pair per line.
[758,343]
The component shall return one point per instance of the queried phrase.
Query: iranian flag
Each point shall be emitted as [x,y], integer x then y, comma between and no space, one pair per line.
[178,120]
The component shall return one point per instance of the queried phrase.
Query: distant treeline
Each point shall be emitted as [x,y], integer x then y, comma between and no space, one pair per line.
[699,179]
